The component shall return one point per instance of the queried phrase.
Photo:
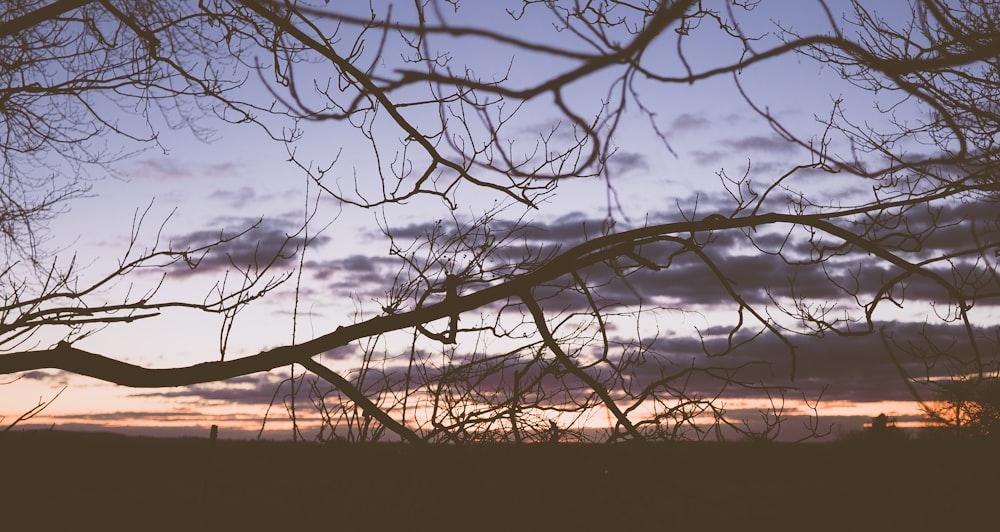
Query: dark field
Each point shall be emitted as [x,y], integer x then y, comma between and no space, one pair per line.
[71,481]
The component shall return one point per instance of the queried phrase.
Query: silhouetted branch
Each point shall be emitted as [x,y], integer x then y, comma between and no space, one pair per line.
[34,411]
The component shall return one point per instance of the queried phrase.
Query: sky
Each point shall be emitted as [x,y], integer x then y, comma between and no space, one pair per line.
[193,190]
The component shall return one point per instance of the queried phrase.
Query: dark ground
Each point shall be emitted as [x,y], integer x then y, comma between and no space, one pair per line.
[86,481]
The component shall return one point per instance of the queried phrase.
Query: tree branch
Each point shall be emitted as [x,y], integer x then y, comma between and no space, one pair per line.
[40,15]
[595,251]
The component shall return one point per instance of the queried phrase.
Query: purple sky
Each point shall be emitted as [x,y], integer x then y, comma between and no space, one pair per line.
[200,190]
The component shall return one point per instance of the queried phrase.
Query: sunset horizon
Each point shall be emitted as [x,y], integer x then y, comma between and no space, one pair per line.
[505,222]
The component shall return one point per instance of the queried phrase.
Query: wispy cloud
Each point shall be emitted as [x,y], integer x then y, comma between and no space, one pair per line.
[769,144]
[271,241]
[237,198]
[172,168]
[687,122]
[623,163]
[255,389]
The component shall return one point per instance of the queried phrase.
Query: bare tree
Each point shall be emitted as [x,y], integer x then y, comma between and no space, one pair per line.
[544,353]
[969,406]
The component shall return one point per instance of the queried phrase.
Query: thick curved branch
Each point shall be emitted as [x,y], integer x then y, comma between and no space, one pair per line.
[595,251]
[33,18]
[550,342]
[361,400]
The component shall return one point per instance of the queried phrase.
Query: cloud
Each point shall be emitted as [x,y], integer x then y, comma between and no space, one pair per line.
[840,368]
[973,223]
[740,148]
[623,162]
[134,415]
[358,263]
[843,368]
[685,279]
[771,144]
[708,157]
[575,226]
[567,230]
[237,198]
[40,375]
[853,369]
[255,389]
[362,275]
[158,169]
[173,168]
[755,272]
[56,377]
[760,278]
[266,241]
[856,369]
[688,122]
[222,169]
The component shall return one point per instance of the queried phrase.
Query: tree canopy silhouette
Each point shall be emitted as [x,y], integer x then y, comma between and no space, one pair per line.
[507,335]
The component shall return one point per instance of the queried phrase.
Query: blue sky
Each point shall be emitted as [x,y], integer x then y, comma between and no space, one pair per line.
[198,190]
